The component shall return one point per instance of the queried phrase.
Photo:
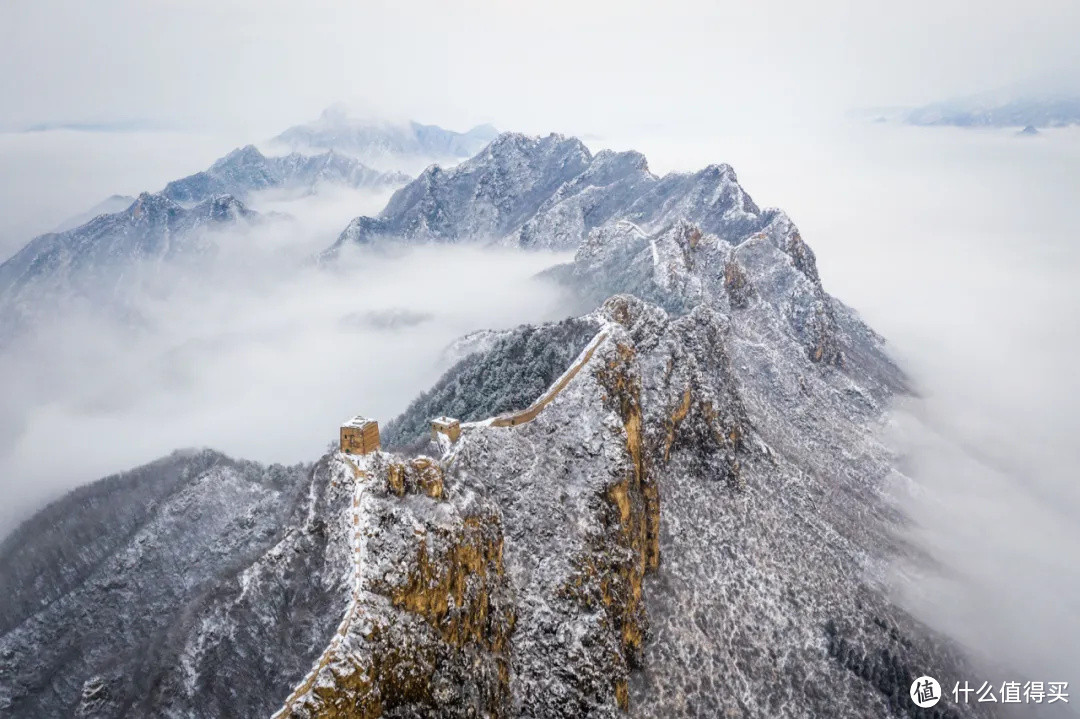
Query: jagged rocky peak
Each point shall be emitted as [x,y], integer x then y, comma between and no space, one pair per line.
[224,208]
[769,276]
[550,192]
[246,155]
[150,205]
[657,533]
[246,170]
[616,160]
[152,209]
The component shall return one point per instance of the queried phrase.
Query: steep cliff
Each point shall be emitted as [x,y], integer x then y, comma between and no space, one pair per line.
[651,542]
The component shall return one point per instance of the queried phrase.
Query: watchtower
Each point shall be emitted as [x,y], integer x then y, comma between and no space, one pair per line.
[446,425]
[359,435]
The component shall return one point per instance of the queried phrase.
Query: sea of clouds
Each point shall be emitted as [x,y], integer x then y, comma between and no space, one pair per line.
[959,246]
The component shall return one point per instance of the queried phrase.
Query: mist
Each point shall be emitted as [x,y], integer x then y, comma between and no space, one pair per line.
[48,177]
[962,248]
[259,353]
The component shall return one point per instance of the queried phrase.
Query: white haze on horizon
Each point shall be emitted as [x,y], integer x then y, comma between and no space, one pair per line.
[959,246]
[261,357]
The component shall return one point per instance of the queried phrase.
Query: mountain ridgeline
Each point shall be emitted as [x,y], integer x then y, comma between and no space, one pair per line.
[1035,110]
[105,259]
[384,145]
[246,170]
[688,520]
[97,263]
[549,193]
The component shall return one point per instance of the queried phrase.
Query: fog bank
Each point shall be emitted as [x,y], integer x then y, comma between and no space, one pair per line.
[260,356]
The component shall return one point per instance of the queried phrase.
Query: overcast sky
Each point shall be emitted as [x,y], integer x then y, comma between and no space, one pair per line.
[252,68]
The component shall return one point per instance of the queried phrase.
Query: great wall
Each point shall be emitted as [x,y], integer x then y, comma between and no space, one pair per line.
[362,434]
[360,478]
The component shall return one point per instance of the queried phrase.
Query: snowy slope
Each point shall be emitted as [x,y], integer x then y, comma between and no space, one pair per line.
[247,170]
[104,587]
[550,192]
[97,261]
[677,534]
[108,254]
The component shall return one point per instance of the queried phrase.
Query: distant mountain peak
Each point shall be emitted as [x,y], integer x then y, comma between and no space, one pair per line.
[245,154]
[91,261]
[550,191]
[486,131]
[381,143]
[150,204]
[247,169]
[1015,108]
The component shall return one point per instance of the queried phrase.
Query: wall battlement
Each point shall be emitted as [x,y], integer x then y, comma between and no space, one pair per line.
[359,435]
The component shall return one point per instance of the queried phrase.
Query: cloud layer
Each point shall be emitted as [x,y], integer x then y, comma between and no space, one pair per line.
[261,355]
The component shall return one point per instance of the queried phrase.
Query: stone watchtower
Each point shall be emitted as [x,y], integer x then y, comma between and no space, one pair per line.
[446,425]
[359,435]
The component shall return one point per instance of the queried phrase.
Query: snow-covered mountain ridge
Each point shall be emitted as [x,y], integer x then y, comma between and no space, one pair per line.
[671,536]
[383,144]
[550,192]
[691,523]
[106,256]
[96,261]
[246,170]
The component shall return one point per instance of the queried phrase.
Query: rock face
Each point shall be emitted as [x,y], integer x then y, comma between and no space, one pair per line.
[768,272]
[549,193]
[667,547]
[247,170]
[667,507]
[431,610]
